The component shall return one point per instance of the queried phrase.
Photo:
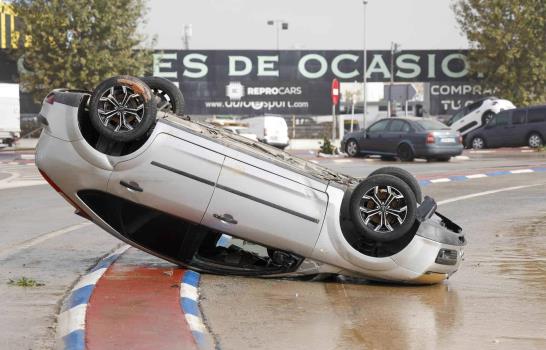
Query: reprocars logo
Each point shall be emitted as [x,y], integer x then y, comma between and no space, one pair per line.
[235,91]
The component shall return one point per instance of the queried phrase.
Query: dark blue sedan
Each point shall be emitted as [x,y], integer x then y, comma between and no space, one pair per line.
[406,138]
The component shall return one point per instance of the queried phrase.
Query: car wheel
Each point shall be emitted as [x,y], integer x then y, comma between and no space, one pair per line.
[169,96]
[486,117]
[405,153]
[383,208]
[352,148]
[478,143]
[403,175]
[122,108]
[535,141]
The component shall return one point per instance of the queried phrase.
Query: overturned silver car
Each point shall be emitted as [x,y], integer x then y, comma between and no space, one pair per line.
[201,197]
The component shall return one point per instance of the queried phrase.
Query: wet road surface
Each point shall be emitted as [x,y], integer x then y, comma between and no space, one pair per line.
[496,301]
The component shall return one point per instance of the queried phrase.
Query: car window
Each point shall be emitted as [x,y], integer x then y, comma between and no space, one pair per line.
[429,124]
[518,116]
[399,126]
[379,126]
[461,113]
[473,106]
[536,115]
[500,119]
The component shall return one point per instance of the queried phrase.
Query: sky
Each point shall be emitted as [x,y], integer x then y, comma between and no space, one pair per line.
[313,24]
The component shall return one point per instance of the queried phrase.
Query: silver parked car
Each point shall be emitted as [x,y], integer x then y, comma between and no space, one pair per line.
[128,160]
[406,138]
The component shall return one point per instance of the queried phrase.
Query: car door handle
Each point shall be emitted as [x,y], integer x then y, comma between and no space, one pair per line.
[225,218]
[131,185]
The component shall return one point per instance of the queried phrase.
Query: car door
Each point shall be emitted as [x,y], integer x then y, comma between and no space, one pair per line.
[260,206]
[519,128]
[374,138]
[172,175]
[498,130]
[397,130]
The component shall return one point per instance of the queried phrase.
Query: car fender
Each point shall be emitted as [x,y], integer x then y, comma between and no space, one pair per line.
[407,142]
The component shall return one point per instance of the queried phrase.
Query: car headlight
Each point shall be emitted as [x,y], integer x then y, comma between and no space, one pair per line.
[447,257]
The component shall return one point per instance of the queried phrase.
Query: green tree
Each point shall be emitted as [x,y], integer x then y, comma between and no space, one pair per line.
[509,42]
[77,43]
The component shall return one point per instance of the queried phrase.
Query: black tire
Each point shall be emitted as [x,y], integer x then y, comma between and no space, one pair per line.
[122,108]
[403,175]
[382,222]
[170,98]
[477,143]
[486,117]
[405,153]
[535,140]
[351,148]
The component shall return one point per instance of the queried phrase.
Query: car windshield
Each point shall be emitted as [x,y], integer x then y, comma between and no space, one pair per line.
[432,125]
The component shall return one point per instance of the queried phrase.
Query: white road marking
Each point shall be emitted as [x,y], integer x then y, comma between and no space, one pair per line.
[89,279]
[195,323]
[41,238]
[188,291]
[442,179]
[343,160]
[475,176]
[71,320]
[521,171]
[485,193]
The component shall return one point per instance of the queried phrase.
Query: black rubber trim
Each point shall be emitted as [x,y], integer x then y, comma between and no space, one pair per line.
[238,193]
[272,205]
[468,126]
[183,173]
[42,120]
[69,97]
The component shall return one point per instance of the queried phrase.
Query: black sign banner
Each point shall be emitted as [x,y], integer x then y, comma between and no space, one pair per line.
[292,82]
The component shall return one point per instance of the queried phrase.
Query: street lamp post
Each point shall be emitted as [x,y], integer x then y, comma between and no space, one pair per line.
[188,32]
[279,25]
[395,48]
[365,78]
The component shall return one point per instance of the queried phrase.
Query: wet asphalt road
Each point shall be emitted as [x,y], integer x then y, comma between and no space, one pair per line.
[497,300]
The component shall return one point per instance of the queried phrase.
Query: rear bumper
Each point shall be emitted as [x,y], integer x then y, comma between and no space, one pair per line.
[440,151]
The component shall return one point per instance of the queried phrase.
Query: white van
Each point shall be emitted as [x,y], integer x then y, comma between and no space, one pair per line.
[269,129]
[10,118]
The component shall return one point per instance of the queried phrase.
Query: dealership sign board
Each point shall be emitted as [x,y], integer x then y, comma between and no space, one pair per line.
[292,82]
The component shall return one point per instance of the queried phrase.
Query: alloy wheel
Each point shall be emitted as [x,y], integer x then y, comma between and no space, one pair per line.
[535,141]
[121,109]
[352,148]
[477,143]
[383,208]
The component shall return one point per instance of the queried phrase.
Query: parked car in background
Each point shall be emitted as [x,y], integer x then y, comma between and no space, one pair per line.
[269,129]
[405,138]
[477,114]
[243,131]
[10,127]
[511,128]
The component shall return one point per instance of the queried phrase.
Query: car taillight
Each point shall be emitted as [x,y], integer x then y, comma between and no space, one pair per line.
[79,210]
[50,98]
[430,138]
[460,137]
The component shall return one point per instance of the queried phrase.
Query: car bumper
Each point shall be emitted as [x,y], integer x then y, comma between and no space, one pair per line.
[440,151]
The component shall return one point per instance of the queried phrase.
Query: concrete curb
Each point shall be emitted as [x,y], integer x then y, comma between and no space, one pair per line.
[426,182]
[71,320]
[189,303]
